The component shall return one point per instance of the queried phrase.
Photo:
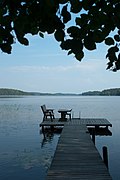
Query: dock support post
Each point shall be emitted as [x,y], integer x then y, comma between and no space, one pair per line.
[43,130]
[105,156]
[79,114]
[107,127]
[52,128]
[93,135]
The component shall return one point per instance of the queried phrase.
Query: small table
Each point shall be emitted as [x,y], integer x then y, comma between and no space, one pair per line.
[63,113]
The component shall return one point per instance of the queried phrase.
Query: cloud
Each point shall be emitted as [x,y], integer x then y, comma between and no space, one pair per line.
[33,69]
[75,76]
[91,65]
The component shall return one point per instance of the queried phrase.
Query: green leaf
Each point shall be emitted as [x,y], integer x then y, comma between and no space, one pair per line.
[23,41]
[102,17]
[76,46]
[6,20]
[111,56]
[109,65]
[105,31]
[117,63]
[66,45]
[66,15]
[79,56]
[34,30]
[76,6]
[82,21]
[98,36]
[109,41]
[74,31]
[63,1]
[86,4]
[78,21]
[117,38]
[41,35]
[6,48]
[1,39]
[70,52]
[10,39]
[113,49]
[89,43]
[59,35]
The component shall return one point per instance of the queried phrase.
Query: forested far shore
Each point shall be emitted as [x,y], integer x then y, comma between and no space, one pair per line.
[6,91]
[106,92]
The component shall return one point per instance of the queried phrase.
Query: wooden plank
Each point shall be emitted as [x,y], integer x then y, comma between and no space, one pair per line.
[86,121]
[92,121]
[76,157]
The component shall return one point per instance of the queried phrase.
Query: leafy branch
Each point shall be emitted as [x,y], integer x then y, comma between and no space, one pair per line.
[94,20]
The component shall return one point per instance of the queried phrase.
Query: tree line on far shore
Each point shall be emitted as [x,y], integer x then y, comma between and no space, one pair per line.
[106,92]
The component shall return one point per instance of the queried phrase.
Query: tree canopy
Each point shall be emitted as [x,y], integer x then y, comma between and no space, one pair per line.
[76,24]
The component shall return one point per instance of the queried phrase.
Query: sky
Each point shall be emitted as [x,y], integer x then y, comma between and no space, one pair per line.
[44,67]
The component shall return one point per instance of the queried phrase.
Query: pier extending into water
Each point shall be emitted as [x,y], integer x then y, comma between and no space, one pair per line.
[91,122]
[76,156]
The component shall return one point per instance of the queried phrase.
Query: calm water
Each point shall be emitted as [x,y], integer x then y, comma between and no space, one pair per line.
[24,154]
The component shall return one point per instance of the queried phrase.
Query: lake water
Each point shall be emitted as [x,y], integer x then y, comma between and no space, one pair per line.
[24,154]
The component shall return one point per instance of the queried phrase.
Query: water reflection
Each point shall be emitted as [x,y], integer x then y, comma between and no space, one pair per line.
[49,134]
[27,154]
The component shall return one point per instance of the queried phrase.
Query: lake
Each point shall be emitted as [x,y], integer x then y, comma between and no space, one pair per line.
[25,154]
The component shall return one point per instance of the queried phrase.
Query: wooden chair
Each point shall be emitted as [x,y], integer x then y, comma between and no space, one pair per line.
[47,113]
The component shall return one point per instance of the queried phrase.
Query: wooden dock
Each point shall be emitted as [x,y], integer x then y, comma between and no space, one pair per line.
[76,156]
[96,122]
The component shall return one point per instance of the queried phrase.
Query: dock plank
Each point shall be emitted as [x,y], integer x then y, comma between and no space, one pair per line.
[76,157]
[86,121]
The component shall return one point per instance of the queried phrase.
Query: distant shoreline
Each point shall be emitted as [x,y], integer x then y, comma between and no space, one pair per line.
[15,92]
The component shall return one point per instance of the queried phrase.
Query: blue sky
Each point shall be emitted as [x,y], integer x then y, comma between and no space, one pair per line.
[44,67]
